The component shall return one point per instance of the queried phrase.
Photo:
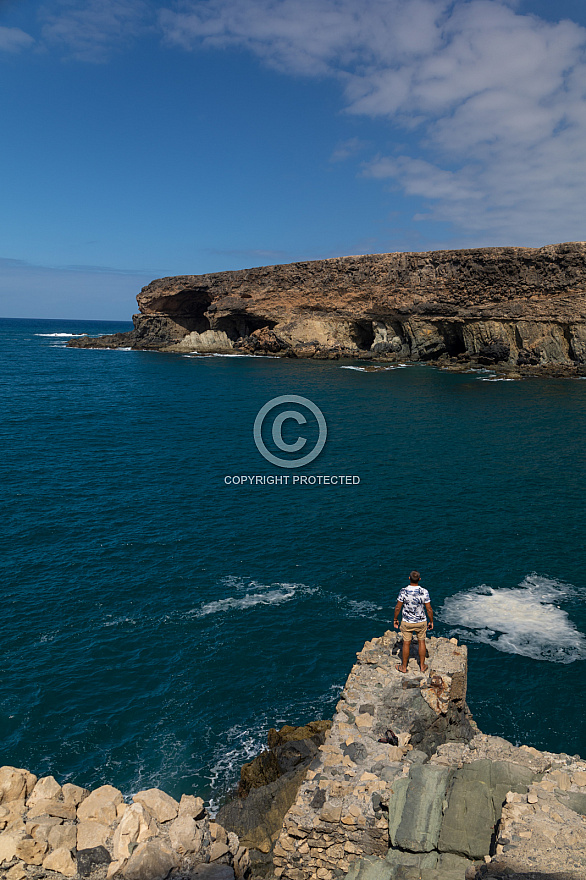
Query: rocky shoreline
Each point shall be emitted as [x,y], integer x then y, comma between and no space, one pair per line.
[399,785]
[521,311]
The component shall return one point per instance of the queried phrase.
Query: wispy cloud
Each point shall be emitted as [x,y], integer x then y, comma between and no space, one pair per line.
[494,101]
[88,30]
[348,149]
[490,104]
[14,40]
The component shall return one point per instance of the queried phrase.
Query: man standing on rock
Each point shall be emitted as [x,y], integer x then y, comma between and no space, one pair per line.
[415,602]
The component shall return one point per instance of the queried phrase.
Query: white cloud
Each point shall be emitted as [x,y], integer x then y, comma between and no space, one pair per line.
[88,30]
[14,40]
[496,100]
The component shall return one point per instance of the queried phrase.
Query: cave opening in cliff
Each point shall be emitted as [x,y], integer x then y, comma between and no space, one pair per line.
[362,333]
[235,326]
[453,336]
[187,308]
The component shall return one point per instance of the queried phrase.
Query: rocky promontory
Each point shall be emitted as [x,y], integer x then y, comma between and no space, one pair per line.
[521,309]
[405,787]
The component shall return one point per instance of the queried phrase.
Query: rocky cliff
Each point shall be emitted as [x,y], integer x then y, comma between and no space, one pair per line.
[523,308]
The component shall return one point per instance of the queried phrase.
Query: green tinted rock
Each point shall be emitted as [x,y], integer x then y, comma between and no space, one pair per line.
[574,800]
[505,777]
[449,867]
[422,813]
[468,821]
[396,805]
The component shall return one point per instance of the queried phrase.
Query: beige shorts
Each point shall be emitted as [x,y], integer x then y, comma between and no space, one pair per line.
[407,629]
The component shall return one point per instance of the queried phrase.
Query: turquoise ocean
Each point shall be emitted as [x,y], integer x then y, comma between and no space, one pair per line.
[159,616]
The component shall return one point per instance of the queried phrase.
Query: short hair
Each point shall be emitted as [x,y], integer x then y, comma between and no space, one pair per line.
[415,576]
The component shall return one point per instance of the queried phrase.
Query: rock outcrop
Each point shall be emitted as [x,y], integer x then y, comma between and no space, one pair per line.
[406,787]
[51,831]
[522,308]
[267,789]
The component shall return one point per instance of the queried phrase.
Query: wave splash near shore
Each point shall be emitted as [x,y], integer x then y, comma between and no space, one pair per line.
[525,620]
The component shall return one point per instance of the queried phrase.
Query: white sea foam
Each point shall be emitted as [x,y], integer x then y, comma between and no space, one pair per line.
[525,620]
[362,609]
[374,369]
[65,335]
[239,745]
[257,594]
[217,354]
[498,379]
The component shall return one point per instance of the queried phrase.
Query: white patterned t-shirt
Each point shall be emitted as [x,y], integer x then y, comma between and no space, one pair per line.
[413,598]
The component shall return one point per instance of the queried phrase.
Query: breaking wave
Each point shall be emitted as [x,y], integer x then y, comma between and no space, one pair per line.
[525,620]
[257,594]
[374,369]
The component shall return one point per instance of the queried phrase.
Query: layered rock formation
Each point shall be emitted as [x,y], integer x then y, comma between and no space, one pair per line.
[53,831]
[519,307]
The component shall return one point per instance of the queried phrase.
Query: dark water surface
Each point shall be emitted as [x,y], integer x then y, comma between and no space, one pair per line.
[157,621]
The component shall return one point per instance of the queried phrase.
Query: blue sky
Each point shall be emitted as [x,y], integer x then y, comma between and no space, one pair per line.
[142,139]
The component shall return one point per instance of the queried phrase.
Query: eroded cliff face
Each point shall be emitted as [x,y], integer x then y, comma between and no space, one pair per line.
[514,306]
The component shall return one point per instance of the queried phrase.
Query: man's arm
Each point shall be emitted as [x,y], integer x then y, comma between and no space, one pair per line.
[398,607]
[429,610]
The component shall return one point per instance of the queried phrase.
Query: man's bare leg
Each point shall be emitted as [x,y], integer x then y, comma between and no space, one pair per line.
[406,649]
[422,654]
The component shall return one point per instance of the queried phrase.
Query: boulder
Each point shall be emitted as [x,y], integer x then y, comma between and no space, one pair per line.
[60,836]
[15,784]
[289,748]
[40,828]
[100,805]
[87,859]
[396,806]
[53,807]
[136,826]
[185,835]
[421,819]
[475,798]
[61,861]
[7,847]
[12,818]
[91,834]
[151,860]
[46,788]
[31,851]
[192,806]
[73,794]
[162,806]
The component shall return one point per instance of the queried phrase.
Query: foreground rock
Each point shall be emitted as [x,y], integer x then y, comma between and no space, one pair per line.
[521,309]
[51,831]
[268,787]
